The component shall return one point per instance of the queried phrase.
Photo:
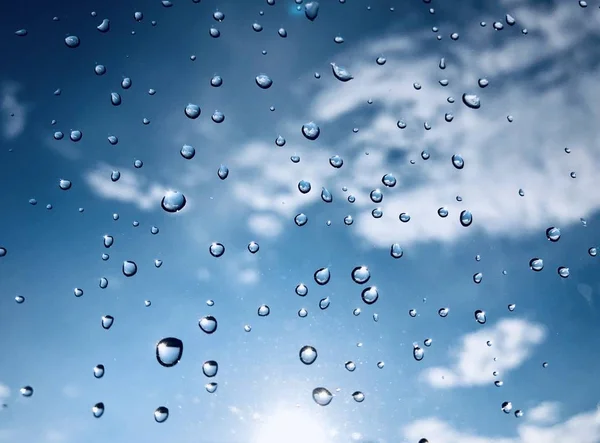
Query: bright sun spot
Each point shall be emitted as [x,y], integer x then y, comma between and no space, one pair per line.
[291,426]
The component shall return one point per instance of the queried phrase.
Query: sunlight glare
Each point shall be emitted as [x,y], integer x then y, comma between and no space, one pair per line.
[291,426]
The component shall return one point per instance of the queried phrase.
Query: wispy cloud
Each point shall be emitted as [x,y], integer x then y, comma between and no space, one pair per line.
[545,413]
[130,188]
[14,111]
[474,362]
[4,392]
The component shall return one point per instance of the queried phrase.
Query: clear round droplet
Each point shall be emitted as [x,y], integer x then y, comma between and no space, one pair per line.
[300,219]
[536,264]
[311,131]
[418,353]
[188,152]
[216,249]
[563,271]
[480,317]
[507,407]
[263,81]
[370,295]
[99,371]
[301,290]
[263,310]
[396,250]
[458,161]
[98,410]
[253,247]
[129,268]
[65,185]
[358,396]
[169,351]
[336,161]
[210,368]
[466,218]
[361,274]
[553,234]
[72,41]
[322,396]
[208,324]
[443,312]
[322,276]
[107,321]
[308,355]
[173,201]
[192,111]
[26,391]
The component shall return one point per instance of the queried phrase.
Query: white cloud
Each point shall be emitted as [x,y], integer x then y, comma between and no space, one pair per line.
[14,112]
[130,188]
[581,428]
[501,157]
[473,361]
[544,413]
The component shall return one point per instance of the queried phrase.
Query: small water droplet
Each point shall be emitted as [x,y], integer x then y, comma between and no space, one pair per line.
[187,152]
[443,312]
[418,353]
[300,219]
[466,218]
[107,321]
[553,234]
[210,368]
[214,32]
[506,407]
[75,135]
[169,351]
[223,172]
[98,410]
[477,277]
[563,271]
[404,217]
[26,391]
[253,247]
[396,250]
[480,317]
[263,310]
[498,26]
[350,366]
[412,312]
[361,274]
[324,303]
[308,355]
[458,161]
[99,371]
[593,251]
[536,264]
[358,396]
[301,290]
[72,41]
[518,413]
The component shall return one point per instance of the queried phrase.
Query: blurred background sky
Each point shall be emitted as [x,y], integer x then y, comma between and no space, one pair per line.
[531,159]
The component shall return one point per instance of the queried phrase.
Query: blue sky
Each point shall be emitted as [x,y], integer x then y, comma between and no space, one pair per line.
[544,79]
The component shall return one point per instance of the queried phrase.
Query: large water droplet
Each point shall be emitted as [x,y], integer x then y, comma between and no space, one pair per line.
[301,219]
[161,414]
[443,312]
[103,283]
[210,387]
[169,351]
[376,196]
[361,274]
[301,290]
[173,201]
[65,185]
[563,271]
[192,111]
[129,268]
[477,277]
[326,195]
[418,353]
[396,250]
[324,303]
[208,324]
[322,396]
[322,276]
[26,391]
[458,161]
[187,152]
[72,41]
[253,247]
[311,131]
[553,234]
[336,161]
[341,73]
[471,100]
[311,10]
[350,366]
[308,355]
[507,407]
[358,396]
[370,295]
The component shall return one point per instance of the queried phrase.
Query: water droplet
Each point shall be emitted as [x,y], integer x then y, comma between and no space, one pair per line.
[458,161]
[302,313]
[536,264]
[161,414]
[208,324]
[301,290]
[263,310]
[304,186]
[418,353]
[64,184]
[216,81]
[192,111]
[210,368]
[98,410]
[72,41]
[454,36]
[563,272]
[324,303]
[99,371]
[376,196]
[300,219]
[223,172]
[257,27]
[443,312]
[322,276]
[211,387]
[103,283]
[129,268]
[104,26]
[593,251]
[477,277]
[425,155]
[218,16]
[388,180]
[380,61]
[187,152]
[412,313]
[396,251]
[247,328]
[58,135]
[404,217]
[169,351]
[311,131]
[107,321]
[498,26]
[214,32]
[282,33]
[361,274]
[264,81]
[19,299]
[348,220]
[499,383]
[341,73]
[427,342]
[370,295]
[253,247]
[308,355]
[507,407]
[545,364]
[518,413]
[311,11]
[471,100]
[138,164]
[480,316]
[466,218]
[358,396]
[154,230]
[75,135]
[280,141]
[138,16]
[336,161]
[26,391]
[173,201]
[553,234]
[21,32]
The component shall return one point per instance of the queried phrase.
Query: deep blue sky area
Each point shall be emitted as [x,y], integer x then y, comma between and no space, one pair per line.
[453,162]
